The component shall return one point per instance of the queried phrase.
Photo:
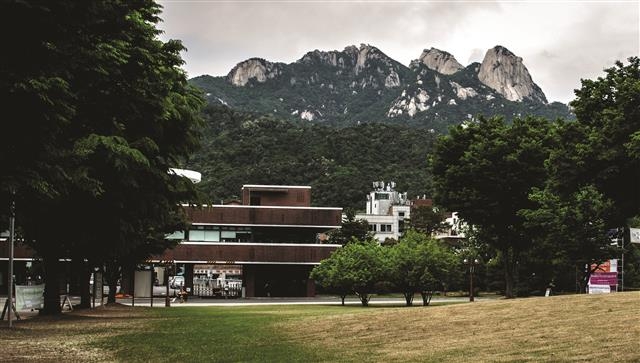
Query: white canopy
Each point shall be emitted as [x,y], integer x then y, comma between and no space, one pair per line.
[194,176]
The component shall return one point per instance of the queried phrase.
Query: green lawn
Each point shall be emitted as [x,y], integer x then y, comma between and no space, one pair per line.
[196,334]
[543,329]
[559,328]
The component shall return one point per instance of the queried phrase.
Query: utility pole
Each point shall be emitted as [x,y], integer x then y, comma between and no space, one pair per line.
[622,262]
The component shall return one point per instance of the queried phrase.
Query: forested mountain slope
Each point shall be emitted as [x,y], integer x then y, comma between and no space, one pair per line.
[340,164]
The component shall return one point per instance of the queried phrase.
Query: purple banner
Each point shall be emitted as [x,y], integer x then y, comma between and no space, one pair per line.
[604,278]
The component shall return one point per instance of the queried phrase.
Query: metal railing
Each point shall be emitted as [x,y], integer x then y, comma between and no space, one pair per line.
[220,292]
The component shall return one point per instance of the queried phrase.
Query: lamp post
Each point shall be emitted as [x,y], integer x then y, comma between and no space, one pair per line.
[472,266]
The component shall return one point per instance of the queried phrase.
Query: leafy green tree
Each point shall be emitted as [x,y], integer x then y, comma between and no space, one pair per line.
[421,264]
[594,169]
[485,171]
[602,147]
[366,267]
[329,275]
[352,229]
[358,265]
[427,220]
[572,231]
[105,112]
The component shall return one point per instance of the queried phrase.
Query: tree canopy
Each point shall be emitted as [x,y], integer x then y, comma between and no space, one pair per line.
[601,148]
[485,170]
[419,263]
[593,175]
[428,220]
[351,229]
[356,267]
[338,163]
[105,111]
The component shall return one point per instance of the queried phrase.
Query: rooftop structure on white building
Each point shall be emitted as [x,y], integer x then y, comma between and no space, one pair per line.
[387,210]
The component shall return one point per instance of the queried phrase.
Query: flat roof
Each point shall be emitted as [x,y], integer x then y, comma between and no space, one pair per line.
[276,186]
[261,207]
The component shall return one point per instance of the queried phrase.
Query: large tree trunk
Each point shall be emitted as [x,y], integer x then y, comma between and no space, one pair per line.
[112,274]
[408,297]
[584,279]
[509,272]
[364,299]
[51,286]
[426,297]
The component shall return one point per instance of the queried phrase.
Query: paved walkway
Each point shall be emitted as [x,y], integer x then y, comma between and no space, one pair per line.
[323,300]
[196,301]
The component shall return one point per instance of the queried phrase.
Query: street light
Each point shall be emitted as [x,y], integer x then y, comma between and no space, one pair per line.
[472,266]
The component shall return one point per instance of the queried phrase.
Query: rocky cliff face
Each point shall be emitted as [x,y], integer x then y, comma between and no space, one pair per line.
[440,61]
[332,58]
[254,68]
[504,72]
[362,84]
[356,61]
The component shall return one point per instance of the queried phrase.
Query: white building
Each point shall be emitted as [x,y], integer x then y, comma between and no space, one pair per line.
[456,229]
[386,211]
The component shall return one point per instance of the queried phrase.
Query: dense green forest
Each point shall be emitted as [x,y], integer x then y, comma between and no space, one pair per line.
[338,163]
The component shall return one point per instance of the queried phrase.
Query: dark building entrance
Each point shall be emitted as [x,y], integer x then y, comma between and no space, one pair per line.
[278,280]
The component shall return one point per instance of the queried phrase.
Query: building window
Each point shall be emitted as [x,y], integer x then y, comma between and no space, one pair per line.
[204,234]
[401,214]
[385,228]
[382,196]
[199,233]
[228,236]
[372,228]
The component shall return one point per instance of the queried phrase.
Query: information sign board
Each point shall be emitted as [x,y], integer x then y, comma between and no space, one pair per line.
[604,278]
[29,297]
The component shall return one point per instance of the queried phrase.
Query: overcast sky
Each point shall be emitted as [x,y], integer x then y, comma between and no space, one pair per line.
[560,41]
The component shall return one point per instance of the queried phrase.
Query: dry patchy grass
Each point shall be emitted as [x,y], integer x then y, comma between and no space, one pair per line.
[559,328]
[70,337]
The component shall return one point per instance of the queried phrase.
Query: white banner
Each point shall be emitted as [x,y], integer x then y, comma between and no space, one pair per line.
[635,235]
[599,289]
[29,297]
